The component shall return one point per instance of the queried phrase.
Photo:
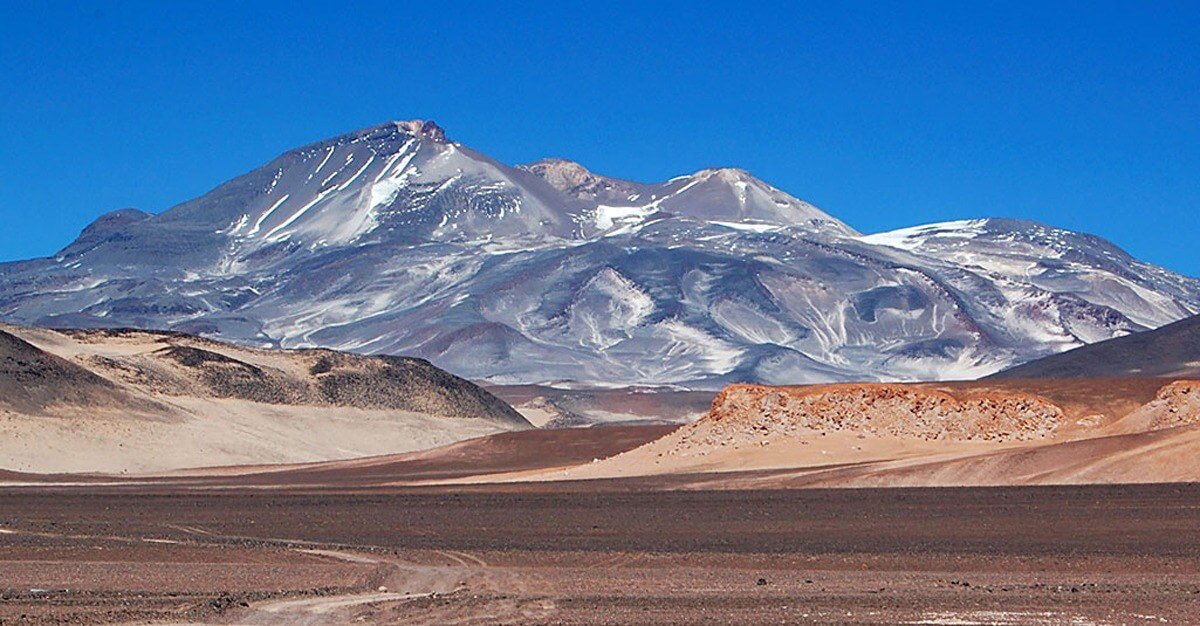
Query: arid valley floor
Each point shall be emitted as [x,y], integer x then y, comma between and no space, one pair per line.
[225,549]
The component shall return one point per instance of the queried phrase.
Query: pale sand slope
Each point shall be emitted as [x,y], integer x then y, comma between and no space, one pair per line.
[131,401]
[1160,456]
[928,434]
[212,432]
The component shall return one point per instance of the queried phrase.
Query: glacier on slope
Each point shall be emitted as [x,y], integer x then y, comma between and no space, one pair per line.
[395,239]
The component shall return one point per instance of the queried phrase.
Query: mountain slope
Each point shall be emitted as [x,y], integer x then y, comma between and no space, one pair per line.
[397,240]
[1170,351]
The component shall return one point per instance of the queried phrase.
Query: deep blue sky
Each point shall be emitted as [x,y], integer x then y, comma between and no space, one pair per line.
[1083,115]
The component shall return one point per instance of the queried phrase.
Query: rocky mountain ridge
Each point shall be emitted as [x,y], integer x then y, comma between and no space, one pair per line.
[398,240]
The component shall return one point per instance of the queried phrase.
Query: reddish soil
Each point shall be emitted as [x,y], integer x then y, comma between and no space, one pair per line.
[495,454]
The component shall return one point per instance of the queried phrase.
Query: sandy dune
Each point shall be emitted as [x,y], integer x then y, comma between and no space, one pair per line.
[134,401]
[1149,457]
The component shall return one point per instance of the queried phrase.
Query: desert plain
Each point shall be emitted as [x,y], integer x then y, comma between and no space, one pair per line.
[998,501]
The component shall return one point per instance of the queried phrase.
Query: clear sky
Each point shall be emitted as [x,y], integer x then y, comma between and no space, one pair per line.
[1084,115]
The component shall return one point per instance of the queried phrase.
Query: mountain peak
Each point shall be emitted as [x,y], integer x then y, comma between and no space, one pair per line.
[427,129]
[417,128]
[102,227]
[558,169]
[734,195]
[384,137]
[577,181]
[727,174]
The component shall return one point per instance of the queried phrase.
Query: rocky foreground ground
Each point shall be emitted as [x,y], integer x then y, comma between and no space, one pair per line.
[619,554]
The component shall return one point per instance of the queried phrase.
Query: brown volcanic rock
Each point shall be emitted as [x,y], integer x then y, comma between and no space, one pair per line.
[220,376]
[390,382]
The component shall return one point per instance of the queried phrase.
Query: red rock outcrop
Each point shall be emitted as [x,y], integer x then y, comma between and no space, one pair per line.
[884,409]
[1177,404]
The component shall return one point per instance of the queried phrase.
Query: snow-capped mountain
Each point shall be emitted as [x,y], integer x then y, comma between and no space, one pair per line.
[397,240]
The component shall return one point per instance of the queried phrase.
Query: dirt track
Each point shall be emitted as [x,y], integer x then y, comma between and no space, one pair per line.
[1078,555]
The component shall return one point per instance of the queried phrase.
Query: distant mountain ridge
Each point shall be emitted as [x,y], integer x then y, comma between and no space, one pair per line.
[1170,351]
[397,240]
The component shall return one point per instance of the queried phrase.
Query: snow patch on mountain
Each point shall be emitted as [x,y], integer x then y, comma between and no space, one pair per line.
[914,237]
